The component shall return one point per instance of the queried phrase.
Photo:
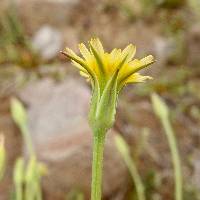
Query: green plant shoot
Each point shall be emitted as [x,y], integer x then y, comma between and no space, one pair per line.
[108,73]
[27,179]
[161,110]
[123,148]
[2,157]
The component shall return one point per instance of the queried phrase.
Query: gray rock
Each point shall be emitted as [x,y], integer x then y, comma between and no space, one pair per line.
[48,41]
[36,13]
[63,140]
[163,48]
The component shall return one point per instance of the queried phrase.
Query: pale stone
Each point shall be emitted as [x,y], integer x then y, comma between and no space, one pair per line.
[48,42]
[63,140]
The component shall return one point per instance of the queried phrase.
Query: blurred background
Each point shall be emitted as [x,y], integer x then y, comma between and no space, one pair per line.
[56,98]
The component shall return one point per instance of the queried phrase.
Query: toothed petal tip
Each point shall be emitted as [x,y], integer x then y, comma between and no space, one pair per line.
[148,60]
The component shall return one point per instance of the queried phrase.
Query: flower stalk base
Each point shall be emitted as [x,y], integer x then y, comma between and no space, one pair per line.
[97,164]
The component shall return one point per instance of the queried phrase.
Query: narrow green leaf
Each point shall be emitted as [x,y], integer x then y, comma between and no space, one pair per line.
[18,112]
[19,171]
[93,104]
[159,106]
[123,148]
[2,157]
[98,59]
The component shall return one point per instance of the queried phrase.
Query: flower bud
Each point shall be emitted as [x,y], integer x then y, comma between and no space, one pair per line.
[159,106]
[18,112]
[103,115]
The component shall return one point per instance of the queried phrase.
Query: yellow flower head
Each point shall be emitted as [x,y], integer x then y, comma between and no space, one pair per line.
[108,74]
[98,65]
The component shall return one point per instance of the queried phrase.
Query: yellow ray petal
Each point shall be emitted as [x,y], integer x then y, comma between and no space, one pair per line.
[100,65]
[137,78]
[81,68]
[97,51]
[72,55]
[147,60]
[97,46]
[130,50]
[134,66]
[85,52]
[84,74]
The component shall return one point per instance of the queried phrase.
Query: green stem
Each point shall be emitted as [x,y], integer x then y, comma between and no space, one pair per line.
[19,191]
[124,150]
[29,191]
[175,157]
[27,139]
[140,190]
[97,164]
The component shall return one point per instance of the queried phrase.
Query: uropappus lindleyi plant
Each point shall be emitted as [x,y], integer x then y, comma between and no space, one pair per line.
[108,73]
